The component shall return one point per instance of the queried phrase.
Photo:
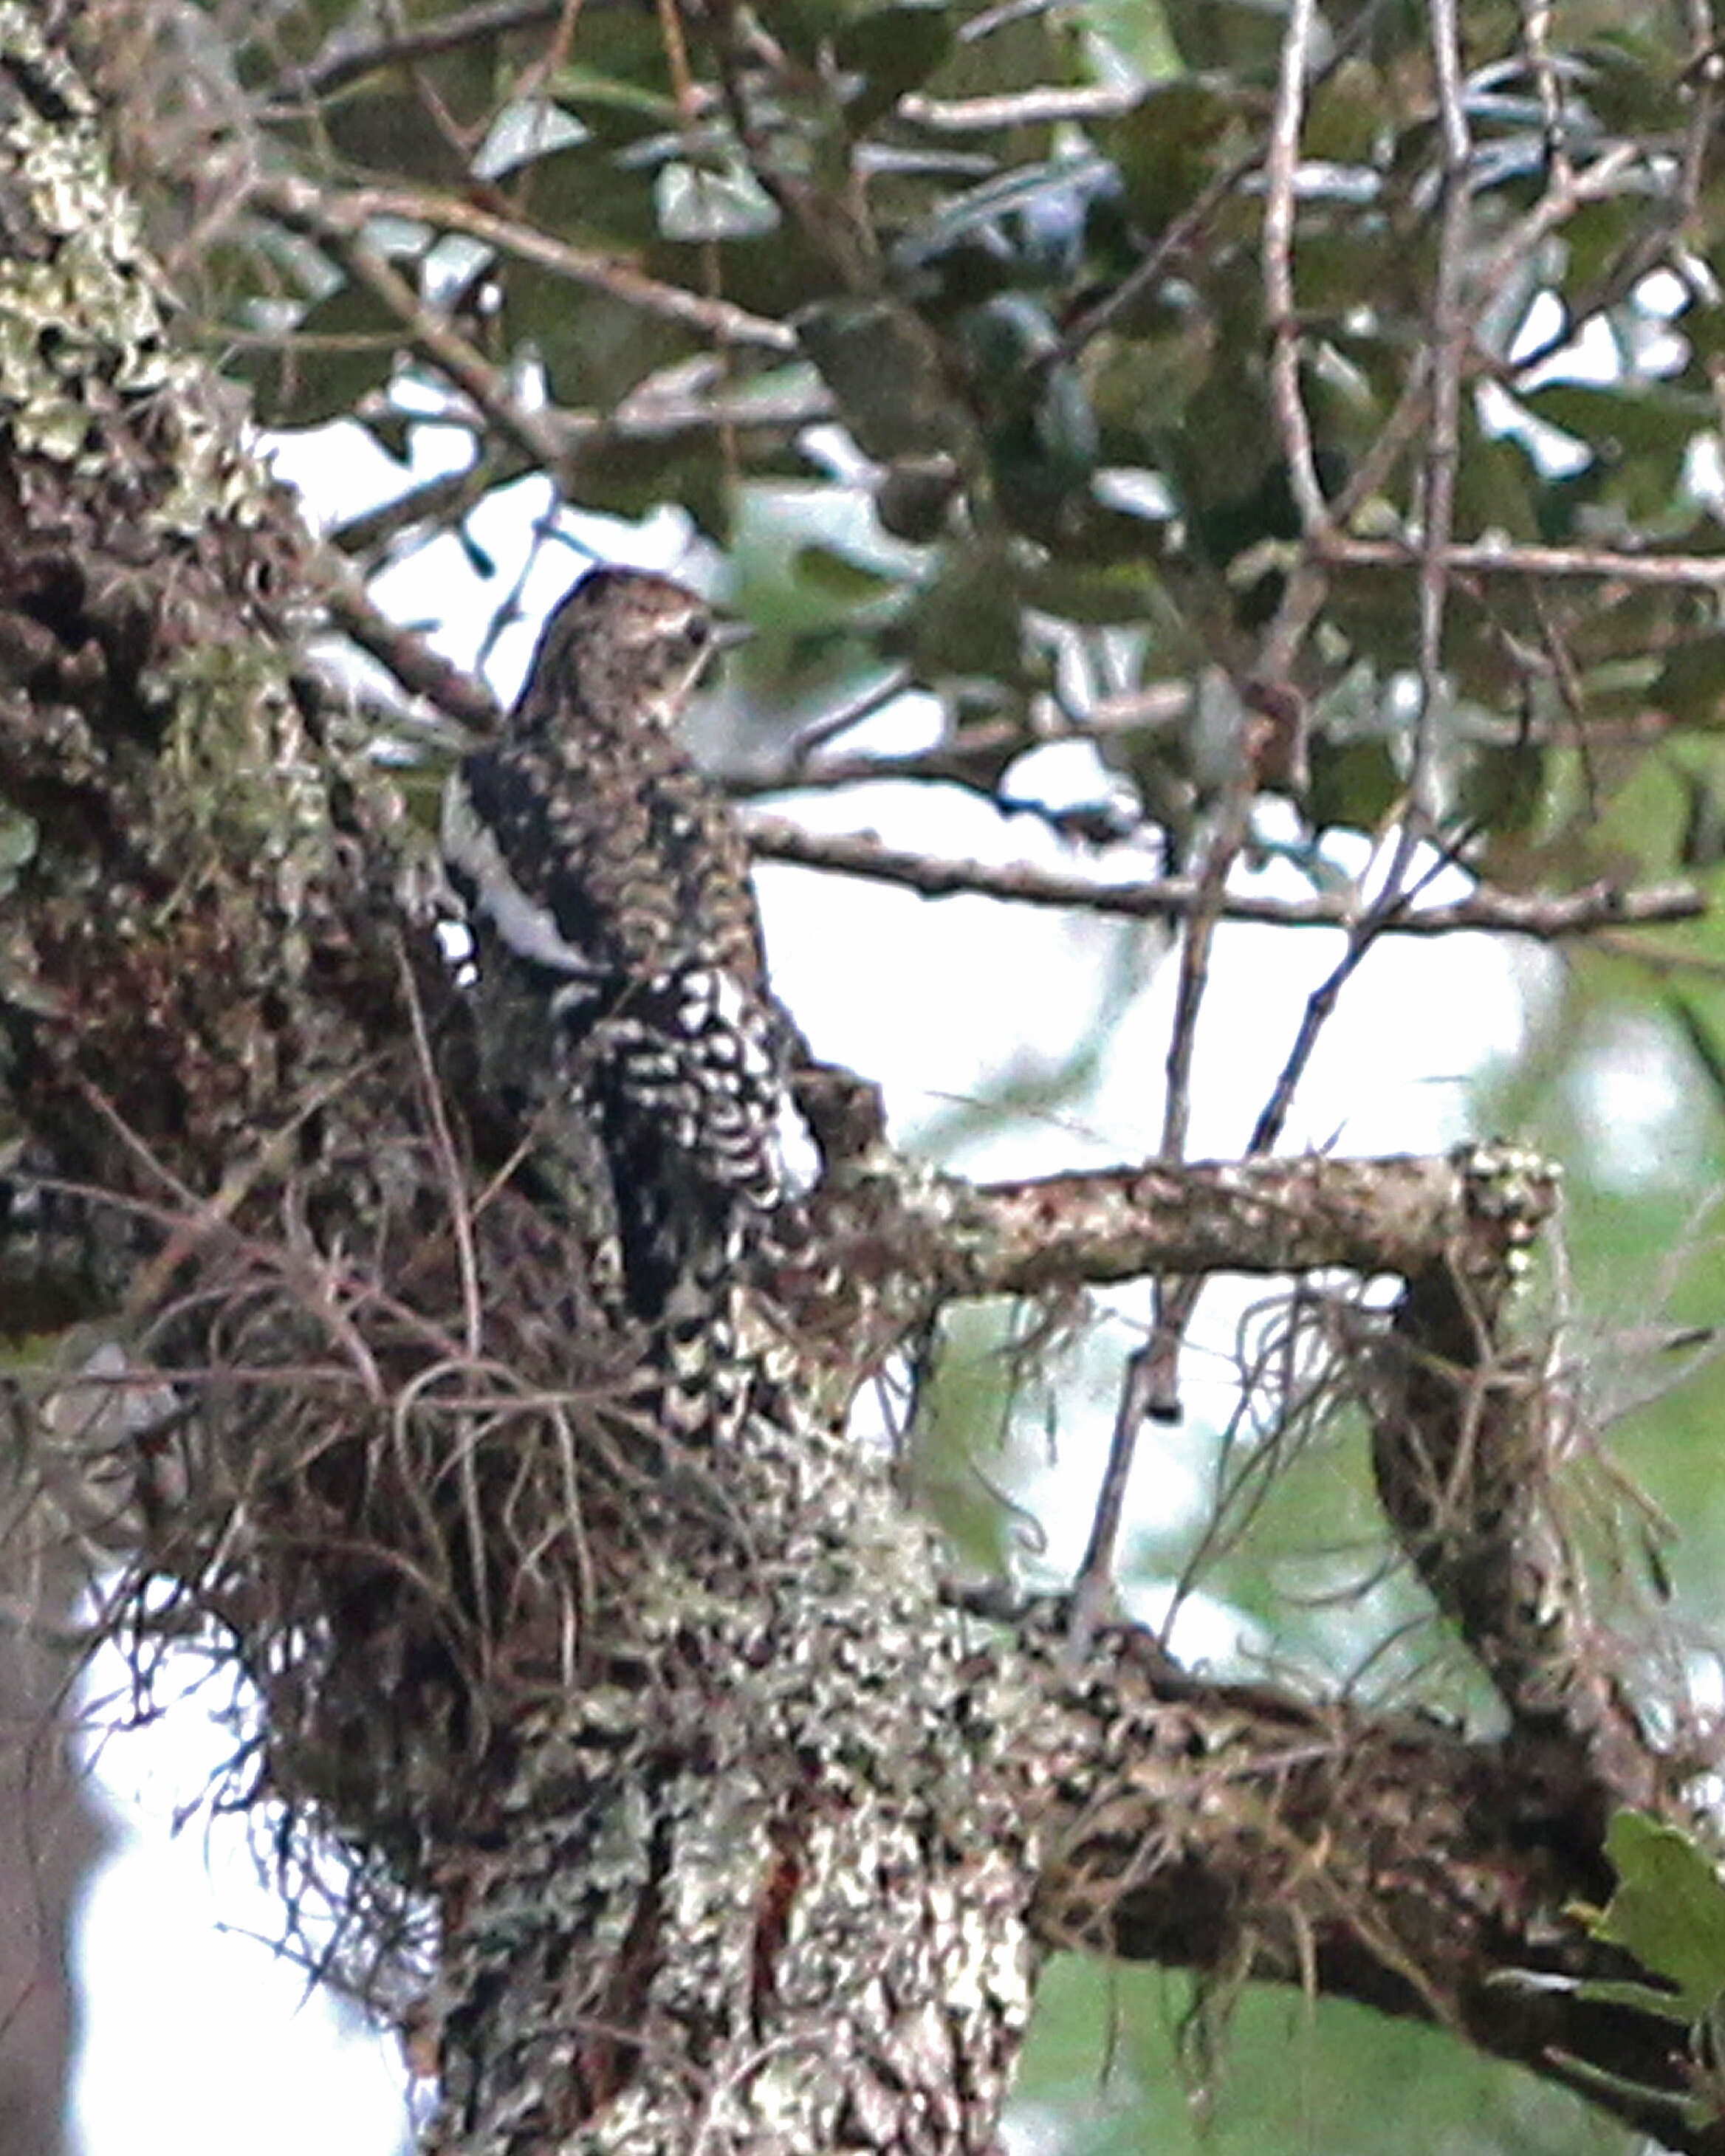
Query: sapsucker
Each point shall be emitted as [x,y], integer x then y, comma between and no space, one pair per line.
[621,995]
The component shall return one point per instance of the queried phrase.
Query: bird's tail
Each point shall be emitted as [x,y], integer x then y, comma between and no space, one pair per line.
[700,1376]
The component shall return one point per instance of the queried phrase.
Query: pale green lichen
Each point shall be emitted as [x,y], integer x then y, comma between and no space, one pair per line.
[82,324]
[244,797]
[1514,1186]
[816,1870]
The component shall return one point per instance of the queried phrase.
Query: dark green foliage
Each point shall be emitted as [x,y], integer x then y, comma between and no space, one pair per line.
[1004,309]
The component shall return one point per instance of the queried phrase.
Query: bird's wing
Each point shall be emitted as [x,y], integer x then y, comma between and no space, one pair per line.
[508,855]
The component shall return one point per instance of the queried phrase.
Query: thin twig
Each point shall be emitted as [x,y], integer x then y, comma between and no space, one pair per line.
[1149,1385]
[404,654]
[1446,347]
[830,726]
[443,500]
[339,230]
[650,414]
[1093,1585]
[1447,343]
[1546,917]
[1511,558]
[971,757]
[1566,193]
[1321,1004]
[683,84]
[343,60]
[1155,1387]
[1048,105]
[1280,167]
[721,320]
[1536,39]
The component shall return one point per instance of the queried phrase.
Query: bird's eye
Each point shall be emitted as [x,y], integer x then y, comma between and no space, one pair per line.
[697,633]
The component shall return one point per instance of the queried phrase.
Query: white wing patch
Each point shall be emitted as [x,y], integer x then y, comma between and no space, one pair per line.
[529,929]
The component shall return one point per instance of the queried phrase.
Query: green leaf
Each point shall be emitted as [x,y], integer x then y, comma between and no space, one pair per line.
[18,840]
[1625,421]
[630,478]
[968,621]
[883,366]
[616,45]
[579,192]
[614,111]
[596,347]
[837,576]
[1632,79]
[1353,783]
[340,348]
[1345,115]
[803,27]
[1669,1907]
[1704,1047]
[894,49]
[696,204]
[1238,37]
[396,130]
[1126,592]
[1166,146]
[1503,787]
[1594,241]
[1690,686]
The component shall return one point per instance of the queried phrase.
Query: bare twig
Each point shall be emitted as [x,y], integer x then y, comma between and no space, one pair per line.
[961,758]
[1390,906]
[1536,38]
[1093,1584]
[344,59]
[831,725]
[1281,166]
[443,499]
[1150,1382]
[338,228]
[295,204]
[1178,234]
[1568,192]
[1048,105]
[1447,344]
[689,104]
[1545,917]
[1492,557]
[1704,89]
[1451,326]
[405,654]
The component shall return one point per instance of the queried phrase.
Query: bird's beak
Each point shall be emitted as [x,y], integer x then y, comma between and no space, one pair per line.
[729,634]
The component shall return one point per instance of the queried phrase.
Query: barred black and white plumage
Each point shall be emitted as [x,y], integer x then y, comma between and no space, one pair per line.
[621,987]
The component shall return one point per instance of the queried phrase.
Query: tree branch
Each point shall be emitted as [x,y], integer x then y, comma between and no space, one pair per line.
[1422,1910]
[1545,917]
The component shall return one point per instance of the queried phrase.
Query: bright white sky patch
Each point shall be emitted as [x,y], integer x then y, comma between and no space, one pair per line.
[197,2039]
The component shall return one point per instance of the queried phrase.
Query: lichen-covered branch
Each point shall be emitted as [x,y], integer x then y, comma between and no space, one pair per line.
[1391,1860]
[908,1240]
[1465,1449]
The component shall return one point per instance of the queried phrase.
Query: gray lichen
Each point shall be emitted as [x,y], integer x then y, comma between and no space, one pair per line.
[82,328]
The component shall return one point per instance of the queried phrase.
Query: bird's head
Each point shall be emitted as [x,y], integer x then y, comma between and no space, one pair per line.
[624,646]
